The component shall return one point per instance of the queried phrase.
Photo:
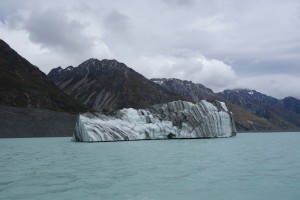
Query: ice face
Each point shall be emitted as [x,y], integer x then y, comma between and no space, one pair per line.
[178,119]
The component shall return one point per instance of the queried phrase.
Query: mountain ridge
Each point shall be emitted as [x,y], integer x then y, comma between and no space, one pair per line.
[109,85]
[270,108]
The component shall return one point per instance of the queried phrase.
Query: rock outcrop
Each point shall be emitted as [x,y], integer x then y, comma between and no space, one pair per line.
[178,119]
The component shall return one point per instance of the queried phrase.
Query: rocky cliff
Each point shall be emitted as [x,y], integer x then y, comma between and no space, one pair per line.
[178,119]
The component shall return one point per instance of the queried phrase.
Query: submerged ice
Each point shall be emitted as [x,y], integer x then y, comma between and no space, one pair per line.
[178,119]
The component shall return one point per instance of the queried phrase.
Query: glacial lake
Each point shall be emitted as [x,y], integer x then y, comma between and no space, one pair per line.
[249,166]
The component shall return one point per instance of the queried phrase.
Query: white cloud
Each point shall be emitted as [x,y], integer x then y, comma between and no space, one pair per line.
[187,65]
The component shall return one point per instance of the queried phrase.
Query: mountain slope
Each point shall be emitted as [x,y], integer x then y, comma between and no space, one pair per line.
[108,85]
[196,92]
[291,104]
[24,85]
[280,113]
[245,121]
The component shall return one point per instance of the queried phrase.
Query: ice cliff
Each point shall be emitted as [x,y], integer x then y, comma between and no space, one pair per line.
[178,119]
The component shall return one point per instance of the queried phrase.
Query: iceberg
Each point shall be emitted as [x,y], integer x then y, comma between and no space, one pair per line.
[173,120]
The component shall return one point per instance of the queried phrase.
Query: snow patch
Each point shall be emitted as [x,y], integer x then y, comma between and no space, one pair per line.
[159,82]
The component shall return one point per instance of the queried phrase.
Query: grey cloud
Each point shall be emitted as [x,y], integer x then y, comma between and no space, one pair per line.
[180,2]
[14,21]
[117,22]
[276,66]
[52,29]
[10,7]
[117,33]
[276,85]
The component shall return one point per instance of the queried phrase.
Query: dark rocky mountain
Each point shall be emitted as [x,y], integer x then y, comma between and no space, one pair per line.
[30,104]
[291,104]
[109,85]
[266,114]
[193,91]
[243,96]
[283,114]
[24,85]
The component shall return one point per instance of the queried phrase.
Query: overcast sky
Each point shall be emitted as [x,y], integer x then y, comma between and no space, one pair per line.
[219,43]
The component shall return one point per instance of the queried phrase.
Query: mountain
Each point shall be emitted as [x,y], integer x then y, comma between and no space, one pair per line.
[109,85]
[283,114]
[246,119]
[196,92]
[24,85]
[243,96]
[291,104]
[30,104]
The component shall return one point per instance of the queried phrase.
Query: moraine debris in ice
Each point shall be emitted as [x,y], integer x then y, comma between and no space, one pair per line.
[178,119]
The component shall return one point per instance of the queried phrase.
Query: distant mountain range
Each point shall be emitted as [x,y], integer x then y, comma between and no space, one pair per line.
[245,120]
[283,114]
[108,85]
[253,110]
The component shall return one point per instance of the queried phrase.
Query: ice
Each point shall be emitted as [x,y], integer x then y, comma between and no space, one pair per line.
[178,119]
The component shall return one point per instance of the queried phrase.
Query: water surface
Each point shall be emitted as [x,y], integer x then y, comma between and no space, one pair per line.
[249,166]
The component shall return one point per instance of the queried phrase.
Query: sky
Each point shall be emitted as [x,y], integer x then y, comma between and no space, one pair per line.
[221,44]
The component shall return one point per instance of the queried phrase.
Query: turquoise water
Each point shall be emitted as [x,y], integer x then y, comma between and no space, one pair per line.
[249,166]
